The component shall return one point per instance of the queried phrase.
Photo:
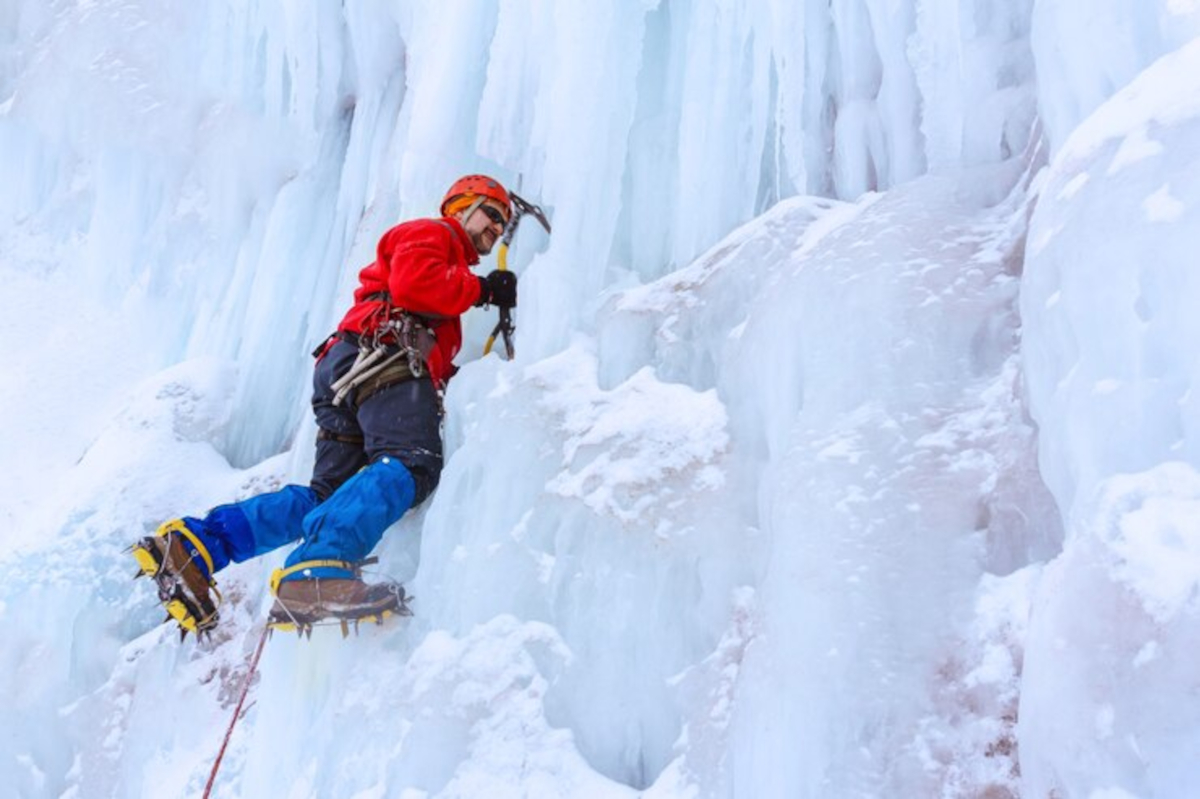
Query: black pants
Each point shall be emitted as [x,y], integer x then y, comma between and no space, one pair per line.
[402,420]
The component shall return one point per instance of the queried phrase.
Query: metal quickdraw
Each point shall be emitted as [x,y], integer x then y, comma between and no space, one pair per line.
[377,354]
[504,327]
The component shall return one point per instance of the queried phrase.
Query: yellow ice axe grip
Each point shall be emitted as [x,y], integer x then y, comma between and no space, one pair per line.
[520,207]
[502,265]
[278,575]
[177,526]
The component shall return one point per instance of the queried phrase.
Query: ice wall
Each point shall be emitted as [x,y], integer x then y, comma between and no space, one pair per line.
[657,127]
[1086,52]
[754,513]
[858,487]
[1108,321]
[190,169]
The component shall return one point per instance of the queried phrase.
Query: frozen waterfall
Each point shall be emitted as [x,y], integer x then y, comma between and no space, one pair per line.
[850,450]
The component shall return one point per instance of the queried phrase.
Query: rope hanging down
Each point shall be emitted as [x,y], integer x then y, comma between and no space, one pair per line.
[237,713]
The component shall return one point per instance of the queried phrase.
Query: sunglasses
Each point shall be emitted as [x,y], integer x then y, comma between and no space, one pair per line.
[494,215]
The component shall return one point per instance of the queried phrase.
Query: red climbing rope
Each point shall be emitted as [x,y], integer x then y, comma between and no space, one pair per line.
[237,713]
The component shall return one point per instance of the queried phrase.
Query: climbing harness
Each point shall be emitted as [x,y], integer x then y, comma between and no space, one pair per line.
[341,438]
[395,350]
[504,326]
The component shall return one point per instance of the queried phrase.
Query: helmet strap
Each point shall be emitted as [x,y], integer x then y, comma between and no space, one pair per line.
[472,208]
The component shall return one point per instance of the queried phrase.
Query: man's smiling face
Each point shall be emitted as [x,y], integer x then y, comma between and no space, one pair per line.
[485,225]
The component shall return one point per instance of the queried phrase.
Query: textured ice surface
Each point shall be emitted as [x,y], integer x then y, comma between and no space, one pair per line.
[756,512]
[1109,315]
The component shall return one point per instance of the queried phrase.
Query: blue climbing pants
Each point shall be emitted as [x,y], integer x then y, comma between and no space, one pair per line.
[373,463]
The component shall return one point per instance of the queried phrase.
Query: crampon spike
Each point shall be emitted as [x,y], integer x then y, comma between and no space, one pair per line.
[345,629]
[190,602]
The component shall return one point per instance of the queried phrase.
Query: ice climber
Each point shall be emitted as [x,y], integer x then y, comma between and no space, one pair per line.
[376,395]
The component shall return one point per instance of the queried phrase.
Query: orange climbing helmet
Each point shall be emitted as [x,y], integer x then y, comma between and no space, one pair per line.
[473,187]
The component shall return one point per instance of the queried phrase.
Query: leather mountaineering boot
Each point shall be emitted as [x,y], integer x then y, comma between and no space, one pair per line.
[181,568]
[302,603]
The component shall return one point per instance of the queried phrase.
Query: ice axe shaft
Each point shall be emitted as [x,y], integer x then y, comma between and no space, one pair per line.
[504,327]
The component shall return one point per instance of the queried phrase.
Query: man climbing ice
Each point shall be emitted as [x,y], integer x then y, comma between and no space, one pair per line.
[377,399]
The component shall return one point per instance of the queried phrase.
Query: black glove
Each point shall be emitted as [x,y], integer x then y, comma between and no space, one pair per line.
[499,288]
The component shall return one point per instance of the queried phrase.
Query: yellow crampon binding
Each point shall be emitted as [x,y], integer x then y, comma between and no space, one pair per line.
[278,575]
[304,627]
[189,602]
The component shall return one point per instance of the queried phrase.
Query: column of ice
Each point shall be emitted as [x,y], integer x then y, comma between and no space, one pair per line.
[1087,50]
[289,78]
[1109,305]
[974,66]
[558,109]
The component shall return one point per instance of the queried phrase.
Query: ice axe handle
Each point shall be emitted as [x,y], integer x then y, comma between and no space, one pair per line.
[521,207]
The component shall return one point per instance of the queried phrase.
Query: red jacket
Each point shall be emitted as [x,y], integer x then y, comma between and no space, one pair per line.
[424,265]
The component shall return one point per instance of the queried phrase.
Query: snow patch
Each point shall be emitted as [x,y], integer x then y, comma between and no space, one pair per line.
[1163,207]
[631,450]
[1136,146]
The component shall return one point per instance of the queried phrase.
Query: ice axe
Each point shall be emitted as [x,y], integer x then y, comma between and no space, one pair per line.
[504,327]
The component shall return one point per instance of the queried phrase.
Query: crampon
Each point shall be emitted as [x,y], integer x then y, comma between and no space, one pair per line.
[302,604]
[182,577]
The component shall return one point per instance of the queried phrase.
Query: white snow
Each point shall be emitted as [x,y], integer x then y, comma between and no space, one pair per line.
[1106,680]
[1135,147]
[850,449]
[1162,206]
